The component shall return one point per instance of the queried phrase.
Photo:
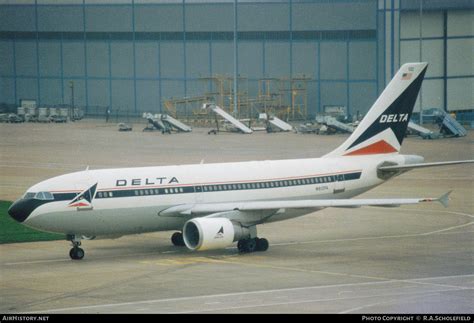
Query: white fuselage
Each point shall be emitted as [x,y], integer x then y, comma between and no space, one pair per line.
[130,200]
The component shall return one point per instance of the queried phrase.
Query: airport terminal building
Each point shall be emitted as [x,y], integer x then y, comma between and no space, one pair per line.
[133,55]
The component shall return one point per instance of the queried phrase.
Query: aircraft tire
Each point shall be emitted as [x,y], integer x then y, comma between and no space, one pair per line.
[76,253]
[177,239]
[247,246]
[240,245]
[262,244]
[251,245]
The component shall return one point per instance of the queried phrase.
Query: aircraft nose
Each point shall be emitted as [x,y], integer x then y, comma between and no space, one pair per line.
[20,210]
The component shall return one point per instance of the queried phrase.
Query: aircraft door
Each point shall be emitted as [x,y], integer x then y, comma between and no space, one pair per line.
[198,194]
[339,184]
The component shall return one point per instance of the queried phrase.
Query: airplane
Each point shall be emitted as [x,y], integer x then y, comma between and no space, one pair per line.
[211,206]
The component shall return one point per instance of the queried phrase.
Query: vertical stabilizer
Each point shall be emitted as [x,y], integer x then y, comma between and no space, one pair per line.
[383,128]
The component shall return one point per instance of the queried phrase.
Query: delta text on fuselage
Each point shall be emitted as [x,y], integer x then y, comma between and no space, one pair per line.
[146,181]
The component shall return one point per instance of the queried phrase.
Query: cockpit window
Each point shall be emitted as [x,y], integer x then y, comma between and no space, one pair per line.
[39,196]
[44,196]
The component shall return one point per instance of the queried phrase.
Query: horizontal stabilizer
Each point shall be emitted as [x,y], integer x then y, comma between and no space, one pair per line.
[396,168]
[444,199]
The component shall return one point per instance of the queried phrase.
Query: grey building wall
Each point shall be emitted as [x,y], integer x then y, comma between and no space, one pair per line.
[132,55]
[447,44]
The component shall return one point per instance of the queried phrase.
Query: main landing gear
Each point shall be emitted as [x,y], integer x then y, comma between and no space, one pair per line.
[177,239]
[244,245]
[75,253]
[252,245]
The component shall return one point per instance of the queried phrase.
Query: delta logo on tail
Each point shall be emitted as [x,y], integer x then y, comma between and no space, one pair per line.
[393,122]
[84,200]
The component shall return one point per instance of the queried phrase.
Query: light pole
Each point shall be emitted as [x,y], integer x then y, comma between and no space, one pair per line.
[71,110]
[421,57]
[235,60]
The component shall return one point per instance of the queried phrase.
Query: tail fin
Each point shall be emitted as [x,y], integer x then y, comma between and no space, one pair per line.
[384,126]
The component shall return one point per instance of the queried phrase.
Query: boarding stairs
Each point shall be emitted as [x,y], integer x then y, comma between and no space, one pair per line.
[422,131]
[451,127]
[332,122]
[174,123]
[277,122]
[236,123]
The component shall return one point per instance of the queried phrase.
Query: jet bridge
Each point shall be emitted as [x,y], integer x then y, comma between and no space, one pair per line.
[236,123]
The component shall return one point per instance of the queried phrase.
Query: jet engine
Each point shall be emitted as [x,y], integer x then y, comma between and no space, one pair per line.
[212,233]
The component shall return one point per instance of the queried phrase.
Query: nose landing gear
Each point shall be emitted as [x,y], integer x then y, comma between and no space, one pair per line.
[75,253]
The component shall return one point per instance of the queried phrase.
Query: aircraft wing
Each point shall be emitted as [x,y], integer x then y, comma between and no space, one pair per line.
[213,209]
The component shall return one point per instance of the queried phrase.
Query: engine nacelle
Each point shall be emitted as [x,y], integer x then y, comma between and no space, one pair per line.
[212,233]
